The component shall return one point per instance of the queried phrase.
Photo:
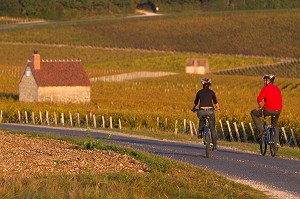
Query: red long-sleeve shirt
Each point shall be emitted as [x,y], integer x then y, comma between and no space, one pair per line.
[271,95]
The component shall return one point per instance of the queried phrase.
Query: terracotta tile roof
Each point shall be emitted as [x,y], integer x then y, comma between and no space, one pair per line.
[65,73]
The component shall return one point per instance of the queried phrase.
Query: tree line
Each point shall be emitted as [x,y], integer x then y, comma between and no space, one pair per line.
[66,9]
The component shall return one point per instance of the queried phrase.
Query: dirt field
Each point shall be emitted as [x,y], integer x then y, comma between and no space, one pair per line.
[24,155]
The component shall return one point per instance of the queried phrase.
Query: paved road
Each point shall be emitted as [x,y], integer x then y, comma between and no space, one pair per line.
[280,174]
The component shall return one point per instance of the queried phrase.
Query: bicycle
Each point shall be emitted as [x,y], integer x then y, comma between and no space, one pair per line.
[268,139]
[205,134]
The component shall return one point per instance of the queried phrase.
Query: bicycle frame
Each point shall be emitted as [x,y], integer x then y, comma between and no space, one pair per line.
[206,136]
[205,125]
[268,128]
[268,139]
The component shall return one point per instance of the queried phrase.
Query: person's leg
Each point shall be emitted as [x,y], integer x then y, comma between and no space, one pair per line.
[212,124]
[274,121]
[201,123]
[200,114]
[256,114]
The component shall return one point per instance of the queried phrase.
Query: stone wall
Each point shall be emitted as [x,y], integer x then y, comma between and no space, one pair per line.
[28,91]
[197,66]
[65,94]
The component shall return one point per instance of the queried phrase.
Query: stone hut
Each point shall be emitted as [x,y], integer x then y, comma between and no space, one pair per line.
[54,81]
[197,66]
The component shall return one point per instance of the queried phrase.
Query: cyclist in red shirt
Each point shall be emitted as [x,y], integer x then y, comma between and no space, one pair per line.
[269,103]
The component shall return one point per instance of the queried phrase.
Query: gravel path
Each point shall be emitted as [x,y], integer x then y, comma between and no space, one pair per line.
[23,155]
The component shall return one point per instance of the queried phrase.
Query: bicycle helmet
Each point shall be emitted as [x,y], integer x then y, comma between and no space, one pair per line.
[206,82]
[270,77]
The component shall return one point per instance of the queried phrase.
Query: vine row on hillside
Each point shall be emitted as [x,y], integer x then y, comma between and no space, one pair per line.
[283,59]
[288,69]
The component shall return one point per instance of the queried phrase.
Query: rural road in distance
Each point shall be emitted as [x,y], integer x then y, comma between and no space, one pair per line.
[277,175]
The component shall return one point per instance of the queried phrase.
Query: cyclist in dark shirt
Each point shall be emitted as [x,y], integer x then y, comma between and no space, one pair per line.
[206,98]
[269,103]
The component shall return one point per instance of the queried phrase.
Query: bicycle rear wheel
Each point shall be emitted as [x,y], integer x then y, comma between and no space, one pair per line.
[273,144]
[263,145]
[208,141]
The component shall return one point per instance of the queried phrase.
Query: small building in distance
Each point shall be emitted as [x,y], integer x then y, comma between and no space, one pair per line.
[197,66]
[54,81]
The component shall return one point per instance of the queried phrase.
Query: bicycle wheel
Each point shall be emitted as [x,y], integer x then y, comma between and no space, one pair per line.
[208,141]
[273,144]
[263,145]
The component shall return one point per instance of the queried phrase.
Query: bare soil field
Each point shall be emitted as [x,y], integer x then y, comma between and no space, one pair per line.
[25,155]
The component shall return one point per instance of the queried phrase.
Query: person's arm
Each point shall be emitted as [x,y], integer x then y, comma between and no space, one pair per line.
[260,98]
[217,106]
[260,105]
[195,102]
[214,98]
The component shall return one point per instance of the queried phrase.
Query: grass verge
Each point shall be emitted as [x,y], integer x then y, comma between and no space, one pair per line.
[166,178]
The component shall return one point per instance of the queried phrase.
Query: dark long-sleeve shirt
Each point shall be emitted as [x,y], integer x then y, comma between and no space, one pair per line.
[206,97]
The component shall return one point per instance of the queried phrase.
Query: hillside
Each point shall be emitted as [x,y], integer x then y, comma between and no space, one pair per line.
[287,69]
[234,33]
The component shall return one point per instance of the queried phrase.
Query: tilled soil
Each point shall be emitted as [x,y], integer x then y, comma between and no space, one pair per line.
[25,155]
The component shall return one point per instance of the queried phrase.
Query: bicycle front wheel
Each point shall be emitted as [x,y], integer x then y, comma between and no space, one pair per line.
[208,141]
[273,144]
[263,145]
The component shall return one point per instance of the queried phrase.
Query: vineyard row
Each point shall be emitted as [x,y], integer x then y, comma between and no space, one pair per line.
[225,131]
[81,46]
[130,76]
[287,69]
[8,20]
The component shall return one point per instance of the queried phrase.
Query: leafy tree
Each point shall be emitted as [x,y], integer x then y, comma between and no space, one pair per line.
[10,8]
[32,8]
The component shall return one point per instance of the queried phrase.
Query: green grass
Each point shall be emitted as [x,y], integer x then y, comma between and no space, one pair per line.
[165,178]
[182,181]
